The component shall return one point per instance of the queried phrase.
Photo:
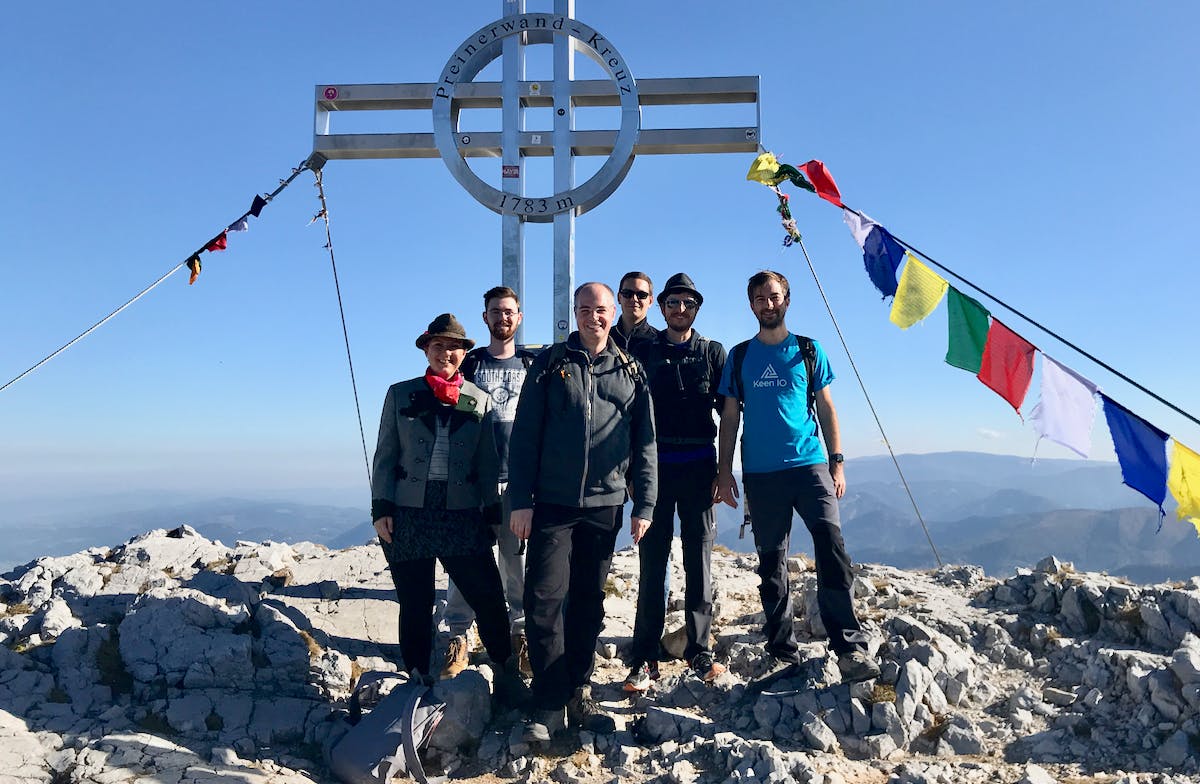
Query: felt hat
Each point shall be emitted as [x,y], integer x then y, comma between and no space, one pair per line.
[445,326]
[680,282]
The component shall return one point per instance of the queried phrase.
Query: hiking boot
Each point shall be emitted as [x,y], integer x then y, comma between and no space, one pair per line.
[520,648]
[857,666]
[542,725]
[586,714]
[456,657]
[510,688]
[706,667]
[641,676]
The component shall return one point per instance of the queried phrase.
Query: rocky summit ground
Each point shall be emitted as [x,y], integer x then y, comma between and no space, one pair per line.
[178,660]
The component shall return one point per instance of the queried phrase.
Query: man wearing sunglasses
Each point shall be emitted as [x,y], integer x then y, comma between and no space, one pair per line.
[633,295]
[683,369]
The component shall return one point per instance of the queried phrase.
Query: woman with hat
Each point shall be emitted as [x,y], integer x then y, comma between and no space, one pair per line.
[435,469]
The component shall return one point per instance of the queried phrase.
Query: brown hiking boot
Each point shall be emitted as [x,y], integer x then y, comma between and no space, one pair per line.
[456,657]
[520,649]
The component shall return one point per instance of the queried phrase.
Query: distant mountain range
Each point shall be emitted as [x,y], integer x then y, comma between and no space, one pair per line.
[997,511]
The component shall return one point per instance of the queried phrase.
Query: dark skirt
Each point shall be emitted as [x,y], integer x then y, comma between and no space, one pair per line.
[434,530]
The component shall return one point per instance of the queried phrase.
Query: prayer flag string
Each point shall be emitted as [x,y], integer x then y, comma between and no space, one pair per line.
[191,261]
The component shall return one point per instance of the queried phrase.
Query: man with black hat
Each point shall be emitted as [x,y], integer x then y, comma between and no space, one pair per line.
[683,369]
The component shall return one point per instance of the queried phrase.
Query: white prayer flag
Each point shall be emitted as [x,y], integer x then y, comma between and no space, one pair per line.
[1067,407]
[860,225]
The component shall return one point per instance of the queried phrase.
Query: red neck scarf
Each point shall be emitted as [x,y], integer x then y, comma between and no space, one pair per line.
[445,390]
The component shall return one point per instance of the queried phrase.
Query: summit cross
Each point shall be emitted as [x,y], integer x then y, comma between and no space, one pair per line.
[455,90]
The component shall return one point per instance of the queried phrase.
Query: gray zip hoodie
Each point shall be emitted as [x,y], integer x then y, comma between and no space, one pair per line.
[581,426]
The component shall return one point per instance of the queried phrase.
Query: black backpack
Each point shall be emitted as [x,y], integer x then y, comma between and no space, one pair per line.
[808,350]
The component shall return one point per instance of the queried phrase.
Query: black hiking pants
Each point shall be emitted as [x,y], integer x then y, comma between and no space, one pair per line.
[688,488]
[808,491]
[570,551]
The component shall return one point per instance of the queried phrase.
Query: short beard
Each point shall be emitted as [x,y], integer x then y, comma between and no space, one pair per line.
[770,320]
[501,332]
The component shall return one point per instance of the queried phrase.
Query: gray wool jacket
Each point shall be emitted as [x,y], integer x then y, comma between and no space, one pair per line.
[582,427]
[407,431]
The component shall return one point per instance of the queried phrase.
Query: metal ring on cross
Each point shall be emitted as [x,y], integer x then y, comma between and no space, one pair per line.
[485,46]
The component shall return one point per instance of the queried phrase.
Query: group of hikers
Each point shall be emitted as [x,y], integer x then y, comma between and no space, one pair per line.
[537,454]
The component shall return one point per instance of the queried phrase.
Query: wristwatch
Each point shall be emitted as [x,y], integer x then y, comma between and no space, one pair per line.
[837,457]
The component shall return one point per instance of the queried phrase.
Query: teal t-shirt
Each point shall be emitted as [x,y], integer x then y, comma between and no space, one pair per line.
[777,431]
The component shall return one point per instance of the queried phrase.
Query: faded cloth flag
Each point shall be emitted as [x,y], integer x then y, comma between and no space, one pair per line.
[241,224]
[920,291]
[882,256]
[822,180]
[1184,483]
[1007,364]
[1141,451]
[967,321]
[860,225]
[1067,408]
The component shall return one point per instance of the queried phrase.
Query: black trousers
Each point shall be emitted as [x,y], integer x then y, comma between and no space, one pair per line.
[686,487]
[479,581]
[773,496]
[570,551]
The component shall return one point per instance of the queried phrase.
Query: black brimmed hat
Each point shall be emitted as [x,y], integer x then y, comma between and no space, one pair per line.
[677,283]
[445,326]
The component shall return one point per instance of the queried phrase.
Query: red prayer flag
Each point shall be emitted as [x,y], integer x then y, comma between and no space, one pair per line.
[217,244]
[1007,365]
[827,189]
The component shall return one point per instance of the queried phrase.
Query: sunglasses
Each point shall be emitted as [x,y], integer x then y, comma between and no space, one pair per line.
[687,304]
[631,293]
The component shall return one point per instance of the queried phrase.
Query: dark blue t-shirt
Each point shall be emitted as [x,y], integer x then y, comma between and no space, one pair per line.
[502,380]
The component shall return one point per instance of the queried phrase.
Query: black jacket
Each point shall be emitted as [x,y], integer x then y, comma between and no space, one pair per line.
[642,332]
[683,383]
[580,427]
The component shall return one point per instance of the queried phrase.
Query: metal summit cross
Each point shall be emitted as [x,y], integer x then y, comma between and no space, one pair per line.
[455,90]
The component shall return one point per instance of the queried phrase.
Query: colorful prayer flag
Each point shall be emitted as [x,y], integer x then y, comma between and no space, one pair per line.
[860,225]
[1067,408]
[1141,451]
[763,169]
[217,244]
[822,180]
[241,224]
[968,325]
[882,256]
[257,205]
[920,291]
[1007,364]
[193,264]
[1184,484]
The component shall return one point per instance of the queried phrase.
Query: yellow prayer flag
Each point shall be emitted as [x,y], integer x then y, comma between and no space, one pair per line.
[1184,483]
[919,292]
[763,169]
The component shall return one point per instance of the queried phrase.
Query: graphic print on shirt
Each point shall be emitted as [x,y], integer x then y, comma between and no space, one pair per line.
[770,379]
[503,384]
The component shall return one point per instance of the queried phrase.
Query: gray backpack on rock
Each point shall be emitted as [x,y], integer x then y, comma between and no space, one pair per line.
[383,743]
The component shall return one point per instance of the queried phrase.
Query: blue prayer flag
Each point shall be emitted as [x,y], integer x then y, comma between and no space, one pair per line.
[1141,451]
[882,256]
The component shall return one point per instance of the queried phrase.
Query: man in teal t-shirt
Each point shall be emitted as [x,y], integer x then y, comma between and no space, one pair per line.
[784,469]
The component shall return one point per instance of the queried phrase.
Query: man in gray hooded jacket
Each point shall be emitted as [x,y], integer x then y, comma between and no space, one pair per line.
[584,421]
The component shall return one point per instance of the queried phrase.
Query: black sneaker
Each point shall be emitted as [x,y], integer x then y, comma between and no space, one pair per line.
[641,676]
[584,713]
[857,666]
[706,667]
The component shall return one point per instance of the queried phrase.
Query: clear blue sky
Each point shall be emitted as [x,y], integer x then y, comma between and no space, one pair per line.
[1045,151]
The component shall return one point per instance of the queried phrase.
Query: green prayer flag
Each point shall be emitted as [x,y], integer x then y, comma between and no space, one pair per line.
[968,322]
